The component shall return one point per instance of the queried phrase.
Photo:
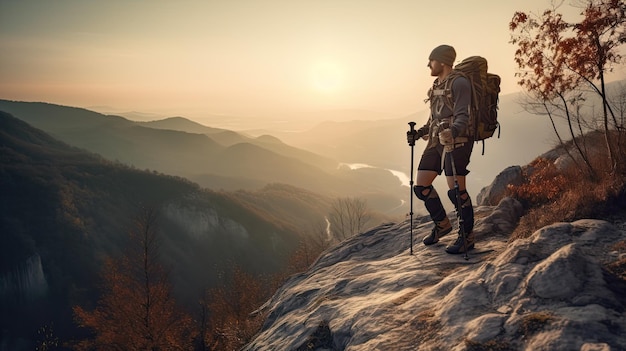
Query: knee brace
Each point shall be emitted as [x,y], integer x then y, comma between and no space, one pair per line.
[466,210]
[419,191]
[431,201]
[464,202]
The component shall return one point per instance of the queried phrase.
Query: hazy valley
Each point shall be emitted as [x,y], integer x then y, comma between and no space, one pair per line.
[73,180]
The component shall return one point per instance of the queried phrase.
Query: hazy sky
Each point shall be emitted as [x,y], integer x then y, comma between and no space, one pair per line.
[245,57]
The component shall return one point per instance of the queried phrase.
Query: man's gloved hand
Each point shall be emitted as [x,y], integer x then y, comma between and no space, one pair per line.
[446,137]
[411,137]
[423,132]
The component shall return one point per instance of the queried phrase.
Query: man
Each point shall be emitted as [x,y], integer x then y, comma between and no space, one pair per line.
[449,146]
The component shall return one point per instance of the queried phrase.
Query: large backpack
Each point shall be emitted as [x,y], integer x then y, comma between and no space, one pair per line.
[483,120]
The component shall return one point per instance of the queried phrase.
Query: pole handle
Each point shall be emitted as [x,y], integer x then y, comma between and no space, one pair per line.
[412,132]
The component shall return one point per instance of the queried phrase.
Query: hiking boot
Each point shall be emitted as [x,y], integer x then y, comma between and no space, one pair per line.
[461,245]
[441,228]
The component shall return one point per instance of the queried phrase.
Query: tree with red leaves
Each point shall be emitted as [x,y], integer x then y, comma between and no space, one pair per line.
[557,59]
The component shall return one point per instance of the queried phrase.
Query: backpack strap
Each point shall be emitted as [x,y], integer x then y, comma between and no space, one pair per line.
[443,90]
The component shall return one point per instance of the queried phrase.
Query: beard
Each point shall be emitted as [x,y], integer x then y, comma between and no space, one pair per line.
[435,69]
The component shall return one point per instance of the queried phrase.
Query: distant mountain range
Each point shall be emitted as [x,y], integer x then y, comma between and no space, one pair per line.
[382,143]
[214,158]
[71,181]
[63,210]
[218,158]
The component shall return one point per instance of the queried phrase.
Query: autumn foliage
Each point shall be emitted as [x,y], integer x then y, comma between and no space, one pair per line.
[543,183]
[558,60]
[227,319]
[136,310]
[552,194]
[556,56]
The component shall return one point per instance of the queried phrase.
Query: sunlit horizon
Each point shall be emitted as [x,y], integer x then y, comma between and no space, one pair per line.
[279,60]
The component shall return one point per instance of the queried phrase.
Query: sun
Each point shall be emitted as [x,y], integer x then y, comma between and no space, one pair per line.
[326,77]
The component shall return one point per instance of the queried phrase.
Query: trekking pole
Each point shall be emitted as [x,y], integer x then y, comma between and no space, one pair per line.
[412,144]
[459,211]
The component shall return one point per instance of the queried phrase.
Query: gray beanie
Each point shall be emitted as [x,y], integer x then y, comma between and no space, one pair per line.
[444,54]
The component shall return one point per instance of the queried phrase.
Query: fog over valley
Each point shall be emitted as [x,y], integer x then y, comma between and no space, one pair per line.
[236,175]
[367,157]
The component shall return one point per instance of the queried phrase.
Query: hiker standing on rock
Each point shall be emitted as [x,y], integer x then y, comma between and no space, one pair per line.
[449,147]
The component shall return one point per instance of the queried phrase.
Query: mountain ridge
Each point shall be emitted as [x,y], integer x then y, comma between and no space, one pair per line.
[384,246]
[201,158]
[548,292]
[63,210]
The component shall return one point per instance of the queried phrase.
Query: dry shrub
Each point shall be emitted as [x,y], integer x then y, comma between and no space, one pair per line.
[534,322]
[321,339]
[543,183]
[551,195]
[618,267]
[229,322]
[426,326]
[540,194]
[620,246]
[491,345]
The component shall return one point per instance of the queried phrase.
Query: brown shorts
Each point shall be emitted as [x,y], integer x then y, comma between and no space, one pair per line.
[431,159]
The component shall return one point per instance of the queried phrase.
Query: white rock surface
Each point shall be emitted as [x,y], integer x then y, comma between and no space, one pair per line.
[547,292]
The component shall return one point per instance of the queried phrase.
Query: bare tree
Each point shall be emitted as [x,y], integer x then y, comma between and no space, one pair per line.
[554,111]
[136,310]
[227,323]
[347,217]
[557,59]
[619,105]
[311,246]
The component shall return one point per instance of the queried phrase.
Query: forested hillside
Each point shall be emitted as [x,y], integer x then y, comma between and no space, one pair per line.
[213,158]
[64,210]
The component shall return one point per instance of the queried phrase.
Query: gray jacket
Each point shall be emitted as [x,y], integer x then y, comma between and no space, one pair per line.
[449,102]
